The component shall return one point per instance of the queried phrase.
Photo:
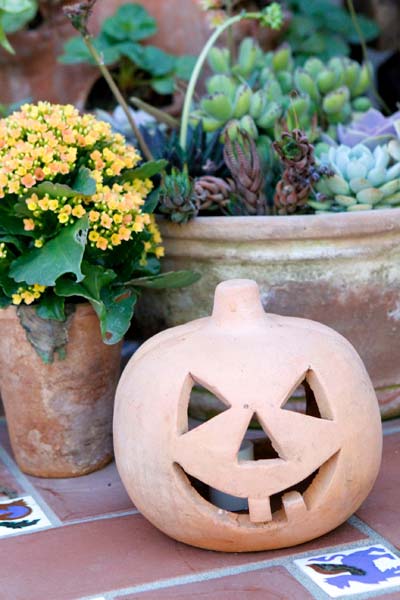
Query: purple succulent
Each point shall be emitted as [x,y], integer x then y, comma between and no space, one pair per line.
[371,129]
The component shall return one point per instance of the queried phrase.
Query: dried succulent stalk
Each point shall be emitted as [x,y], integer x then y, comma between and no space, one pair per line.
[243,161]
[79,14]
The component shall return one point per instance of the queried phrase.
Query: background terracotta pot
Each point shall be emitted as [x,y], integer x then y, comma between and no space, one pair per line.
[182,25]
[34,72]
[59,415]
[342,270]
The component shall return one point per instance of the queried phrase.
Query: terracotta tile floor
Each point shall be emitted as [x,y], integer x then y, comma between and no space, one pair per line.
[96,546]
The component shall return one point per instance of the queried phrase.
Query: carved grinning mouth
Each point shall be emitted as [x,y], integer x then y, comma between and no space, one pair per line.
[272,461]
[282,506]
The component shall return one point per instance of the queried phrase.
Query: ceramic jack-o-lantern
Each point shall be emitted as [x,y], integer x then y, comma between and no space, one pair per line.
[311,472]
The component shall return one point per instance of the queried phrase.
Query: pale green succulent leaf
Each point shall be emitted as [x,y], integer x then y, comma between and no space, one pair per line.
[369,196]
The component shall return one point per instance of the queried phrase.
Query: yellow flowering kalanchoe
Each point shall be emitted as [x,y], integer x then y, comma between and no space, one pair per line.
[50,143]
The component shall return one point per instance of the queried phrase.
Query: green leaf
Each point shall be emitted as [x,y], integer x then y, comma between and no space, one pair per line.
[12,239]
[151,201]
[119,306]
[145,171]
[157,62]
[164,85]
[132,51]
[84,182]
[13,22]
[3,39]
[4,301]
[172,279]
[184,66]
[13,225]
[95,279]
[54,190]
[130,22]
[76,51]
[8,286]
[62,254]
[15,6]
[369,28]
[51,307]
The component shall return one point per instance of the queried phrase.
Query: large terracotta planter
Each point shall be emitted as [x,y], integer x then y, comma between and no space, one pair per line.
[59,415]
[342,270]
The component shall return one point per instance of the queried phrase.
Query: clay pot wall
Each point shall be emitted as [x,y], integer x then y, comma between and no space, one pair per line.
[342,270]
[59,415]
[34,72]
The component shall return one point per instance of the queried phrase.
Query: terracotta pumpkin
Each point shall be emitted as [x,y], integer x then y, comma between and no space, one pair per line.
[321,467]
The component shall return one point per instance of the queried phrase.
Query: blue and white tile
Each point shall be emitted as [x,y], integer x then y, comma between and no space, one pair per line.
[21,515]
[347,572]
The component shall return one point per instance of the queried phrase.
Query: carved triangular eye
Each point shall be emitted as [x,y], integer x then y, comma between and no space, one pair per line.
[204,404]
[303,398]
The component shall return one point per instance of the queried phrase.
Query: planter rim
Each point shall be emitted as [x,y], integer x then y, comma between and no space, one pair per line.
[82,309]
[339,225]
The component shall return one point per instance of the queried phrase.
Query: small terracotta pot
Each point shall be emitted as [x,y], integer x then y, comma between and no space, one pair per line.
[59,415]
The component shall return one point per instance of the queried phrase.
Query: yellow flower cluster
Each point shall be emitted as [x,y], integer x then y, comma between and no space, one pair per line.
[52,143]
[114,214]
[42,141]
[28,294]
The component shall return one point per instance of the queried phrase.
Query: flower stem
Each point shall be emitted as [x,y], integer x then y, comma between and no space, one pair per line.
[198,67]
[353,14]
[118,96]
[158,114]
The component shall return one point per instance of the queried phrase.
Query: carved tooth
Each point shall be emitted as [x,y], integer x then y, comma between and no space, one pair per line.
[294,505]
[260,510]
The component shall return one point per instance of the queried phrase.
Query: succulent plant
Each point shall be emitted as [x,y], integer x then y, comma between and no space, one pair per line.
[371,129]
[244,163]
[213,193]
[260,91]
[297,156]
[203,154]
[177,198]
[363,179]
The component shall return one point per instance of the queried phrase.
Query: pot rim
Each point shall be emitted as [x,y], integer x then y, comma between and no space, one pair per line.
[323,226]
[83,309]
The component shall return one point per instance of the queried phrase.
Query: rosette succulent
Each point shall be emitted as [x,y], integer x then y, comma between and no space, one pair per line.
[363,179]
[371,129]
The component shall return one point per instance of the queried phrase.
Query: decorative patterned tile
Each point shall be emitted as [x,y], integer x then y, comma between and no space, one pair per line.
[348,572]
[20,515]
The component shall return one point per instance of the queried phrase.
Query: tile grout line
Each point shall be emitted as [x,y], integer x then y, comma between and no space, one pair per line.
[112,515]
[226,571]
[29,488]
[372,533]
[391,430]
[286,562]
